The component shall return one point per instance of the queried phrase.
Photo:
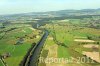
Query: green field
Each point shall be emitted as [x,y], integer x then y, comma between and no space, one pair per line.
[68,38]
[9,40]
[64,34]
[1,64]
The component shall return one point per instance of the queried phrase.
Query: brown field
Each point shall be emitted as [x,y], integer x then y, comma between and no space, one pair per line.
[91,46]
[82,40]
[93,55]
[50,38]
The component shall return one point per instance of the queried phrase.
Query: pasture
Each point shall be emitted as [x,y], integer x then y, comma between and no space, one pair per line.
[9,42]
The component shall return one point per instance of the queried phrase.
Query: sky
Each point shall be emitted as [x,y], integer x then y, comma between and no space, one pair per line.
[24,6]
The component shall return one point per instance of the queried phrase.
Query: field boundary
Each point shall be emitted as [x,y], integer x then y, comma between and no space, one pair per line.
[3,62]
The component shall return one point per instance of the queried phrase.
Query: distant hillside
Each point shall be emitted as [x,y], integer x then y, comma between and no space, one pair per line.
[52,14]
[67,13]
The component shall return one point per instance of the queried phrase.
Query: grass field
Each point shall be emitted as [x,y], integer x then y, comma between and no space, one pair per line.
[17,52]
[66,32]
[1,64]
[63,52]
[66,39]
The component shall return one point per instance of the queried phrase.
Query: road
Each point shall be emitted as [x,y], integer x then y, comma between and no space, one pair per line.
[33,59]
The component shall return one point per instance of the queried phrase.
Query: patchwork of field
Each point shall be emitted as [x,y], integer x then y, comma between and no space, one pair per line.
[69,39]
[73,41]
[15,41]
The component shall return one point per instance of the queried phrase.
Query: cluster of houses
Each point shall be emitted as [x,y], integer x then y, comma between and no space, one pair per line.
[20,41]
[5,55]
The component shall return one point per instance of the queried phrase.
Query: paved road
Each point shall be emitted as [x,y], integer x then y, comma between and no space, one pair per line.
[37,50]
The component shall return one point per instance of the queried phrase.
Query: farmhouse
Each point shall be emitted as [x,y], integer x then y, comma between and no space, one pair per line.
[6,55]
[20,41]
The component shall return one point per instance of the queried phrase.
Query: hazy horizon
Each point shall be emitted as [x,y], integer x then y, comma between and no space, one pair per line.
[22,6]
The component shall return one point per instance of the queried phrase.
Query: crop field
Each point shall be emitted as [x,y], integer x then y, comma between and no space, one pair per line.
[15,41]
[74,40]
[49,33]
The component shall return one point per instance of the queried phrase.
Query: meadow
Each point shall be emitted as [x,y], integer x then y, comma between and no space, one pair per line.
[69,37]
[11,43]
